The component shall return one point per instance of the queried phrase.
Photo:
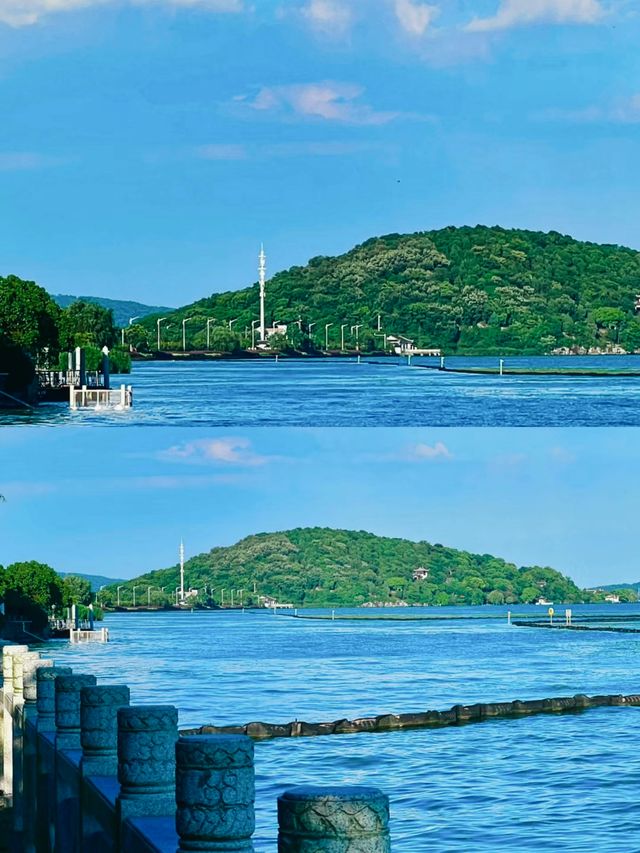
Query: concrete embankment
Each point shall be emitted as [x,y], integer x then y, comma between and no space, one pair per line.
[455,716]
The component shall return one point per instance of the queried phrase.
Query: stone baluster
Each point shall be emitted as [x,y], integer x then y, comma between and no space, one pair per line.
[99,728]
[7,665]
[30,678]
[46,695]
[335,820]
[215,792]
[147,736]
[67,689]
[20,662]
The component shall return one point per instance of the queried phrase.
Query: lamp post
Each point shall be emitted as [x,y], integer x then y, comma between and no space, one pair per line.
[134,595]
[379,322]
[231,322]
[148,596]
[209,322]
[342,328]
[222,597]
[119,588]
[327,326]
[131,319]
[381,335]
[158,322]
[254,323]
[309,327]
[357,328]
[184,332]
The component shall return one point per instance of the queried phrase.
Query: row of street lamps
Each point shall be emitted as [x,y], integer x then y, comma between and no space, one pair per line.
[254,323]
[235,594]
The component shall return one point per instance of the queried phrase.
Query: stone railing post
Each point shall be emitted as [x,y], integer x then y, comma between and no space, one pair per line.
[7,665]
[215,792]
[46,695]
[30,669]
[20,662]
[147,736]
[335,820]
[67,689]
[8,653]
[46,784]
[29,807]
[99,728]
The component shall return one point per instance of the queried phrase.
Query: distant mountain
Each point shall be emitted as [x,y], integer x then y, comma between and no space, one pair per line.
[476,290]
[123,310]
[96,581]
[319,567]
[612,587]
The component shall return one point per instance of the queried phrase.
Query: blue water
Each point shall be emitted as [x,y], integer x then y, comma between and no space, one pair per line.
[340,392]
[568,783]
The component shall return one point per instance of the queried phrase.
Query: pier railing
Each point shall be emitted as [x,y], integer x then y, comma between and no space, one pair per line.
[84,770]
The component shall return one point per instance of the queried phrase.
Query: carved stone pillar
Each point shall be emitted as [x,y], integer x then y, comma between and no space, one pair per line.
[333,820]
[46,695]
[29,678]
[147,736]
[215,792]
[99,727]
[67,689]
[7,665]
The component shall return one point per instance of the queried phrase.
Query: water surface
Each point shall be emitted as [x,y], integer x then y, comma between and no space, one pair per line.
[565,781]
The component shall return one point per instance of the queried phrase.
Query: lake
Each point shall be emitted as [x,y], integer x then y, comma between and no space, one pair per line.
[557,781]
[380,392]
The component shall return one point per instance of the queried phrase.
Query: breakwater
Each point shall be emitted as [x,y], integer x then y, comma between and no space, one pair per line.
[84,770]
[455,716]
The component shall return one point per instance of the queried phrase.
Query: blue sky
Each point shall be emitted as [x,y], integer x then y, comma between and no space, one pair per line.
[148,146]
[117,501]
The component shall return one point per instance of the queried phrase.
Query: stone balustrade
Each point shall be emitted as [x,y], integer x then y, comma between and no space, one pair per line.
[91,773]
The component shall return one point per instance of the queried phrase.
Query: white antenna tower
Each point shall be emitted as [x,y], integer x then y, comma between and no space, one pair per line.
[262,273]
[181,570]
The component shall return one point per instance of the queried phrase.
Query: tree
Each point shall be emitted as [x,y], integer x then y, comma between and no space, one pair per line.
[85,323]
[75,590]
[29,318]
[35,581]
[224,340]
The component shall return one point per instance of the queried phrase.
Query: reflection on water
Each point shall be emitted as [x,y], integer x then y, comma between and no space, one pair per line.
[341,392]
[514,785]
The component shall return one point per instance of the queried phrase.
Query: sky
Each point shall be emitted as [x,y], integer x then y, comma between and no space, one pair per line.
[117,501]
[147,147]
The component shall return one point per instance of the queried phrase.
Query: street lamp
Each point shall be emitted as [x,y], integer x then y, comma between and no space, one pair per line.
[148,596]
[342,328]
[209,322]
[357,328]
[158,322]
[254,323]
[309,327]
[231,322]
[131,319]
[119,588]
[327,326]
[222,597]
[134,595]
[184,332]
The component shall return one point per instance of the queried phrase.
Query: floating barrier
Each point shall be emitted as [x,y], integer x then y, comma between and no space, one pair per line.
[455,716]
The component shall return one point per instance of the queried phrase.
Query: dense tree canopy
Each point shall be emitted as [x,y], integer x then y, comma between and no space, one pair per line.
[89,324]
[322,567]
[472,290]
[29,318]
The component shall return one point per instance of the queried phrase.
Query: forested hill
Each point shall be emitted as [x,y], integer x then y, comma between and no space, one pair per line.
[323,567]
[474,290]
[123,310]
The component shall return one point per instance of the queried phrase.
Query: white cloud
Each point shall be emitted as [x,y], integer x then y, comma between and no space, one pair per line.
[415,18]
[621,111]
[20,13]
[327,100]
[427,452]
[522,13]
[329,17]
[226,451]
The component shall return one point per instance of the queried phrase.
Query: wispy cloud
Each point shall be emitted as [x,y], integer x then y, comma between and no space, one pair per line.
[328,17]
[428,452]
[18,161]
[21,13]
[211,451]
[523,13]
[621,111]
[415,18]
[337,148]
[326,101]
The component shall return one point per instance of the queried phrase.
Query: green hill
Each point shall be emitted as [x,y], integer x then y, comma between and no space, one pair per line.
[467,290]
[319,567]
[123,310]
[96,581]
